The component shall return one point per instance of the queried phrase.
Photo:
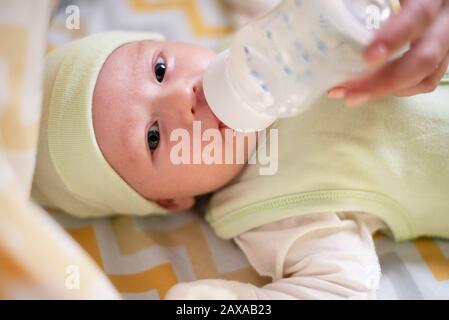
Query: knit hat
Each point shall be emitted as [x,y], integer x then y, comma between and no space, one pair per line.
[71,172]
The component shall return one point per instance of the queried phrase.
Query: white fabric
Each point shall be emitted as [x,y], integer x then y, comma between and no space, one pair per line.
[316,256]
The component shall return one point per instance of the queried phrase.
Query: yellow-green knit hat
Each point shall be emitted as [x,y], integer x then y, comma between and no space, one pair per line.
[71,172]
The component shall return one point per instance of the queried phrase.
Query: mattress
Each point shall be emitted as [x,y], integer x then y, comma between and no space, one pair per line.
[144,256]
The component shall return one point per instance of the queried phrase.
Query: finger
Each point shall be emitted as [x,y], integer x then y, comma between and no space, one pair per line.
[383,82]
[429,84]
[417,64]
[408,25]
[366,77]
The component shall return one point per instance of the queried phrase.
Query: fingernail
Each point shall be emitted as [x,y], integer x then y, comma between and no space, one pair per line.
[357,99]
[376,55]
[337,93]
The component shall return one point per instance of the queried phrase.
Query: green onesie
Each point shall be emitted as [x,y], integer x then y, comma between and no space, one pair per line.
[389,158]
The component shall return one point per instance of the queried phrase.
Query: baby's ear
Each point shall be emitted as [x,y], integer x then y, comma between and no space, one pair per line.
[179,204]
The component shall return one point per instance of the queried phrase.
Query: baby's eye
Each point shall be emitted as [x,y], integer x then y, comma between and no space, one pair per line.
[153,136]
[159,69]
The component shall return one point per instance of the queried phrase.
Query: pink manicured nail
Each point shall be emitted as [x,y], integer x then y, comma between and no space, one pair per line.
[337,93]
[376,55]
[357,99]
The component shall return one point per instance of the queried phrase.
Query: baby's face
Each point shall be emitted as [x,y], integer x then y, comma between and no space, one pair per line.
[144,92]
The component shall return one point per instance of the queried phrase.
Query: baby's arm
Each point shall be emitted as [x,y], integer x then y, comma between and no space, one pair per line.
[317,256]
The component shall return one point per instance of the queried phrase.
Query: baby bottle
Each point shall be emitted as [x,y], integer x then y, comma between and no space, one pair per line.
[279,64]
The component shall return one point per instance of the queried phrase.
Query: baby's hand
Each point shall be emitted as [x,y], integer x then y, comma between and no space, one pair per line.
[423,23]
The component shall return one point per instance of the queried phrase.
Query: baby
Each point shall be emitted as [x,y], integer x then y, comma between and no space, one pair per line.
[112,101]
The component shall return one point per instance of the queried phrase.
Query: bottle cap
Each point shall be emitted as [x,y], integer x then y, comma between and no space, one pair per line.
[225,102]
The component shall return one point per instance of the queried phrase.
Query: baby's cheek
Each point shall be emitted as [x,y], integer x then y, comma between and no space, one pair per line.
[240,145]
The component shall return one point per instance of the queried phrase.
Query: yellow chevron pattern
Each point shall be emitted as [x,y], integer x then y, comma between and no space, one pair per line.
[191,10]
[162,277]
[191,237]
[434,258]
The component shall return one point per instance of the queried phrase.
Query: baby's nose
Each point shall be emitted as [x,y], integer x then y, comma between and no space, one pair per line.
[198,94]
[193,88]
[185,97]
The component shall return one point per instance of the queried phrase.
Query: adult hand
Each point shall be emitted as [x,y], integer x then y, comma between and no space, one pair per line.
[424,24]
